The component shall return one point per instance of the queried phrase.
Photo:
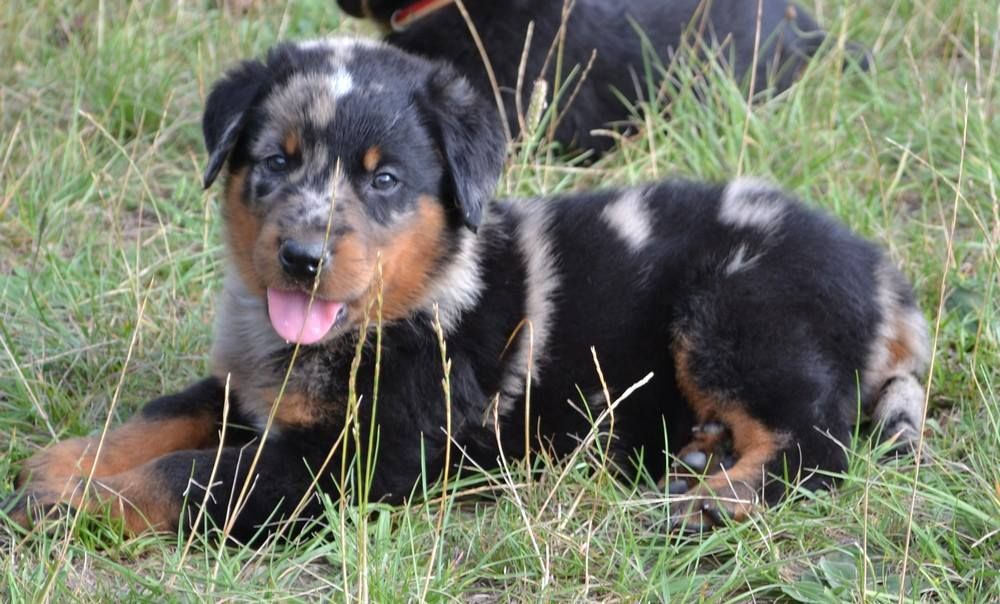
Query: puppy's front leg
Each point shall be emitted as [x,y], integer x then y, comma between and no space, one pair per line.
[185,420]
[153,495]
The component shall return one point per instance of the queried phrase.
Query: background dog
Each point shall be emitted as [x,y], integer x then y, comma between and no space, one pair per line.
[724,30]
[357,188]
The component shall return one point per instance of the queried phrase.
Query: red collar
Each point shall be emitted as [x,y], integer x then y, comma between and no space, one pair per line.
[404,17]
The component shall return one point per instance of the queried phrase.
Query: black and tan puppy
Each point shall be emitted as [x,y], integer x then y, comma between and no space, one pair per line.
[353,169]
[723,29]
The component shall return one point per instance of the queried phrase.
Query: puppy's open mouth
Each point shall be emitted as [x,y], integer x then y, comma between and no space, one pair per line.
[297,320]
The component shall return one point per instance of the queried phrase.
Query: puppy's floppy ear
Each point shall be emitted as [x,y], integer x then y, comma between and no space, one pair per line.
[470,136]
[226,111]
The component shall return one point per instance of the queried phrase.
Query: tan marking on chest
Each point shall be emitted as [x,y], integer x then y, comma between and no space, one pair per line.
[293,409]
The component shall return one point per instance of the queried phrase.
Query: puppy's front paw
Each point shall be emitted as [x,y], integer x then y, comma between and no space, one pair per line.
[49,483]
[36,504]
[62,461]
[710,450]
[704,508]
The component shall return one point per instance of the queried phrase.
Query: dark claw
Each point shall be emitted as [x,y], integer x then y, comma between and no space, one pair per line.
[719,514]
[728,461]
[696,460]
[677,486]
[689,524]
[674,522]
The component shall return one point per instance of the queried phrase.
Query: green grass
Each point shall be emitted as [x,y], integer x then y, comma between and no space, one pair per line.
[101,211]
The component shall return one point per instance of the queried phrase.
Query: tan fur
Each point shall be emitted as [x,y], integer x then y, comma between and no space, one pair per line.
[907,348]
[123,480]
[754,445]
[242,231]
[409,259]
[371,159]
[901,344]
[291,143]
[295,409]
[735,489]
[124,448]
[135,497]
[703,405]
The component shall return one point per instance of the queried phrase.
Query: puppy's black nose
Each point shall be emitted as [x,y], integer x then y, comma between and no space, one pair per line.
[301,260]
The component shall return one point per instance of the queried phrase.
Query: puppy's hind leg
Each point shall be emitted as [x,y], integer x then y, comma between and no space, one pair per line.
[758,370]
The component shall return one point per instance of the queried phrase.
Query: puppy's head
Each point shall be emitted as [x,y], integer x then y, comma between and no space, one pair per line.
[343,157]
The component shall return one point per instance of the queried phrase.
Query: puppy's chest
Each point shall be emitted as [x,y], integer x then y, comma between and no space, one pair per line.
[314,391]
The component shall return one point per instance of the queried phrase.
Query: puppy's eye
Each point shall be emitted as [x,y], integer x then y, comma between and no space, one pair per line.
[383,181]
[276,163]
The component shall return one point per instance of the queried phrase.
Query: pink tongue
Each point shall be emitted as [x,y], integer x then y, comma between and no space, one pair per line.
[295,320]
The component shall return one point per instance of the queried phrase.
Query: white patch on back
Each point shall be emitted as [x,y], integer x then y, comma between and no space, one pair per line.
[740,260]
[542,285]
[752,203]
[461,285]
[341,83]
[629,217]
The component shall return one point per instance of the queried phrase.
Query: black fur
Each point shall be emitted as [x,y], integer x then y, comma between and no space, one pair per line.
[464,127]
[789,37]
[227,105]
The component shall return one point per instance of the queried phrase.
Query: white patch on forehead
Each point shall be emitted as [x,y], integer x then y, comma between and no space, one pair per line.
[748,202]
[319,44]
[341,83]
[339,51]
[341,43]
[305,99]
[629,218]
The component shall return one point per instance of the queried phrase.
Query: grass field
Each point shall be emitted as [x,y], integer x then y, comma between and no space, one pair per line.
[109,264]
